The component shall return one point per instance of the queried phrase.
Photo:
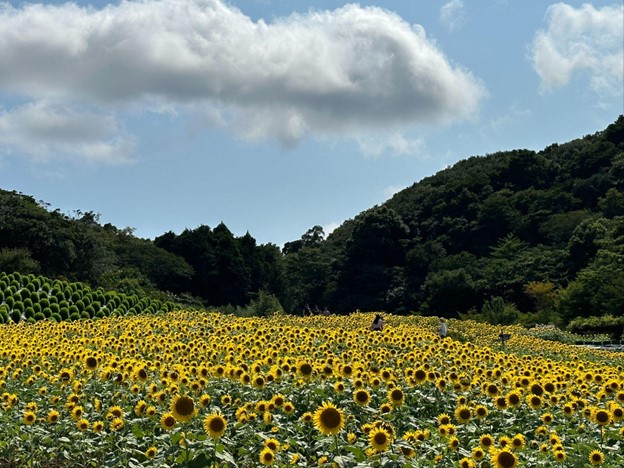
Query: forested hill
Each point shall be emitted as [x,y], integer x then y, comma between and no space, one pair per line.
[541,230]
[517,235]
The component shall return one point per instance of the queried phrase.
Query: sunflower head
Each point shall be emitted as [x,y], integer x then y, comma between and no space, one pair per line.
[151,452]
[601,417]
[379,439]
[463,413]
[215,425]
[29,417]
[167,421]
[328,419]
[267,456]
[361,397]
[504,459]
[183,408]
[596,457]
[396,396]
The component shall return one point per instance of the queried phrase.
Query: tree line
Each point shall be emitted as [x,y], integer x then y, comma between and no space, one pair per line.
[511,236]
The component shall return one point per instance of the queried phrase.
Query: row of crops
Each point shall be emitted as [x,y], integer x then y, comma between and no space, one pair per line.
[195,389]
[32,298]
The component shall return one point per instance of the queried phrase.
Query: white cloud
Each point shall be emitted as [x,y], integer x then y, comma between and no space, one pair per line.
[513,114]
[452,14]
[318,74]
[581,39]
[395,144]
[331,227]
[46,131]
[392,190]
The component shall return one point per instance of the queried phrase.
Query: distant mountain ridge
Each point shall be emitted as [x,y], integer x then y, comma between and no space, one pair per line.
[485,227]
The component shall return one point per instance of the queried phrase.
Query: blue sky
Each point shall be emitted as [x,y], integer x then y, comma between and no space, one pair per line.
[277,115]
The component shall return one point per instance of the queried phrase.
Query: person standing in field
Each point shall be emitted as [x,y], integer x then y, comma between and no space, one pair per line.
[377,324]
[443,328]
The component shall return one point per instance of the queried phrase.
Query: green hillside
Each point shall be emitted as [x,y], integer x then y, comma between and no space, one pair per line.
[540,230]
[516,236]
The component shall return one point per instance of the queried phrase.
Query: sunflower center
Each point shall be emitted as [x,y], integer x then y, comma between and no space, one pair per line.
[330,417]
[506,460]
[91,362]
[380,438]
[217,425]
[185,406]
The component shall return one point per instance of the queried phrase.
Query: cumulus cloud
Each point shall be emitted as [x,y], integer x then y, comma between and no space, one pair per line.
[581,39]
[392,190]
[45,131]
[452,14]
[316,74]
[395,144]
[331,227]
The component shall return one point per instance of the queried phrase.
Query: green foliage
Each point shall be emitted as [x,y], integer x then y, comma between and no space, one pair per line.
[264,305]
[497,312]
[15,316]
[92,302]
[18,259]
[605,324]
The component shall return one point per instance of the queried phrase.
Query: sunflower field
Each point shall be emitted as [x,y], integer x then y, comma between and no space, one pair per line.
[203,389]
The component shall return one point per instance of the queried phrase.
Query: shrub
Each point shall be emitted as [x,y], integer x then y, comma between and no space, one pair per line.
[606,324]
[265,304]
[16,316]
[74,317]
[39,316]
[56,317]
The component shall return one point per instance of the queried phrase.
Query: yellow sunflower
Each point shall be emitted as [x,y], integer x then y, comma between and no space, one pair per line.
[29,417]
[601,417]
[215,425]
[53,416]
[478,453]
[480,411]
[486,441]
[596,457]
[91,362]
[328,419]
[466,463]
[396,396]
[167,421]
[305,369]
[83,424]
[504,459]
[182,408]
[463,414]
[272,444]
[379,439]
[361,397]
[267,456]
[151,452]
[116,424]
